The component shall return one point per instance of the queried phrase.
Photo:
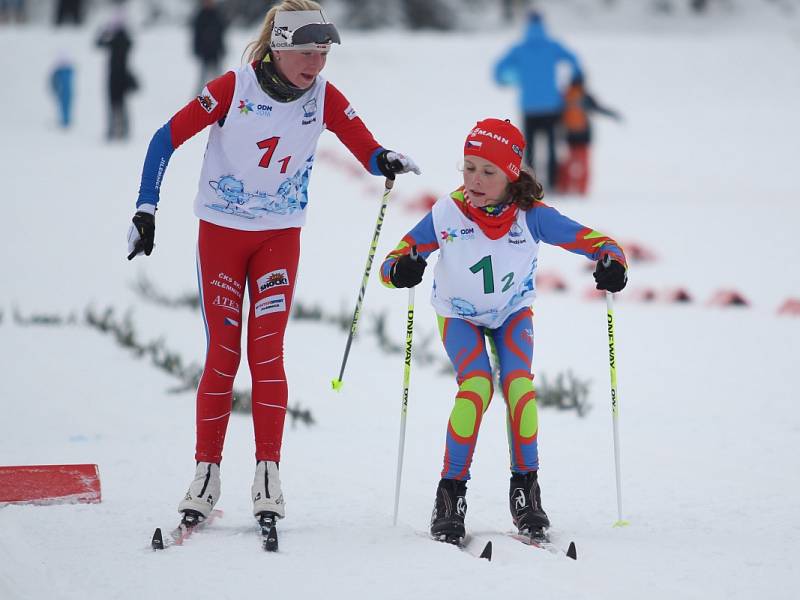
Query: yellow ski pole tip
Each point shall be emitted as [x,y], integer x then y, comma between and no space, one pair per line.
[622,523]
[336,384]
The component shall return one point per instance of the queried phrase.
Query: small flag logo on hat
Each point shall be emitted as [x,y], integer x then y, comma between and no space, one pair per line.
[233,322]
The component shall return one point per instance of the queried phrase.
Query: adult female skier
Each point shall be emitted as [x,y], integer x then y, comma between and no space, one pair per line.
[266,118]
[488,233]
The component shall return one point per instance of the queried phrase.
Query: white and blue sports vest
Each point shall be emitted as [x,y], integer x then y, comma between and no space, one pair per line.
[477,278]
[257,165]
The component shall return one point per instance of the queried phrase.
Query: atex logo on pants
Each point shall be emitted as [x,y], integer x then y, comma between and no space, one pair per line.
[273,279]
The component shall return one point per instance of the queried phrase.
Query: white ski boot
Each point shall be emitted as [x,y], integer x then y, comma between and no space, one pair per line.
[204,491]
[267,495]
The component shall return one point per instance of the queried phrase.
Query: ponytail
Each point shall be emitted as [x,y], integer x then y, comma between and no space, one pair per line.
[525,190]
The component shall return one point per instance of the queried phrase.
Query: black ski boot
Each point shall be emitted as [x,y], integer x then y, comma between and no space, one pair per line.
[191,518]
[449,510]
[525,499]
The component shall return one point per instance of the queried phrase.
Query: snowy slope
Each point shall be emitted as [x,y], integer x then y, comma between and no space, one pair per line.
[700,172]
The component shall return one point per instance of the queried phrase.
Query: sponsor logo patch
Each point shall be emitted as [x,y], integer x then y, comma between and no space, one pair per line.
[452,233]
[246,107]
[309,112]
[227,304]
[270,304]
[227,283]
[515,235]
[467,234]
[310,108]
[207,101]
[273,279]
[489,134]
[350,113]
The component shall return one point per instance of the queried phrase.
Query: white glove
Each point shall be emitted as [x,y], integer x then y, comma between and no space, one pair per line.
[407,162]
[393,163]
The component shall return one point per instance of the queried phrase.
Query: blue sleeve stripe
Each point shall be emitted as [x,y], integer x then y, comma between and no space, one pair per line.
[425,236]
[550,226]
[155,164]
[373,162]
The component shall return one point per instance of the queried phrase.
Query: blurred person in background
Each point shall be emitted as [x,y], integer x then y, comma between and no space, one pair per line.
[531,65]
[511,8]
[116,40]
[573,172]
[208,39]
[266,118]
[69,11]
[61,84]
[488,233]
[12,11]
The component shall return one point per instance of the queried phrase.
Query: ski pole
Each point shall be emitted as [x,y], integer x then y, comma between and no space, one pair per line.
[404,406]
[336,384]
[612,361]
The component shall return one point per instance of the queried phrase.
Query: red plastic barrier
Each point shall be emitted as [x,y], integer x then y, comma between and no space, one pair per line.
[642,295]
[592,293]
[343,162]
[549,281]
[677,295]
[636,252]
[50,484]
[728,298]
[790,307]
[422,202]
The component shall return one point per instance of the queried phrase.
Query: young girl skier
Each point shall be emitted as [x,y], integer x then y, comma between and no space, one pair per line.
[488,233]
[266,118]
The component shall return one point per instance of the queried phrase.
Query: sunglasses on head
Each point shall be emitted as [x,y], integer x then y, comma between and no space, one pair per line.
[316,33]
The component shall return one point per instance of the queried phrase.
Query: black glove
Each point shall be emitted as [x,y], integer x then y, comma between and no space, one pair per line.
[142,234]
[610,274]
[407,271]
[391,163]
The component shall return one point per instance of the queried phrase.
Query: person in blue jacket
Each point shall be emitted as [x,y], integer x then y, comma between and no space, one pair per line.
[531,65]
[61,78]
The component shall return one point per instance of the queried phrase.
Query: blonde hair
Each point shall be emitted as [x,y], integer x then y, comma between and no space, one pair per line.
[258,48]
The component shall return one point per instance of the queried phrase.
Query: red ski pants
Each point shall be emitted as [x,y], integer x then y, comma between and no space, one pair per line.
[573,175]
[265,262]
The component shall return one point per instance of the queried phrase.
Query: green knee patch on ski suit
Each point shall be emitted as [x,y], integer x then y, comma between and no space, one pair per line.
[464,417]
[529,419]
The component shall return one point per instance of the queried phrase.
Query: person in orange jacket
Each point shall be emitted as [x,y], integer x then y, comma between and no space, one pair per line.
[573,172]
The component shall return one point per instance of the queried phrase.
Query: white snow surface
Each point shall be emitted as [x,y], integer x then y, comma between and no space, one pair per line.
[701,172]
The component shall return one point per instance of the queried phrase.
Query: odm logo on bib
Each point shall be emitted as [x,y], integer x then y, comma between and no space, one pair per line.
[453,233]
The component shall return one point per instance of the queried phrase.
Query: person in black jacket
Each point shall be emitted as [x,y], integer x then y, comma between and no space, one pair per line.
[69,11]
[116,39]
[208,43]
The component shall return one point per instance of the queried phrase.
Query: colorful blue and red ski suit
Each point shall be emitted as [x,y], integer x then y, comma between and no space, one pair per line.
[465,324]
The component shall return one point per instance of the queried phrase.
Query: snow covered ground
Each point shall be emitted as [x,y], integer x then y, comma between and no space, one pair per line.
[701,172]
